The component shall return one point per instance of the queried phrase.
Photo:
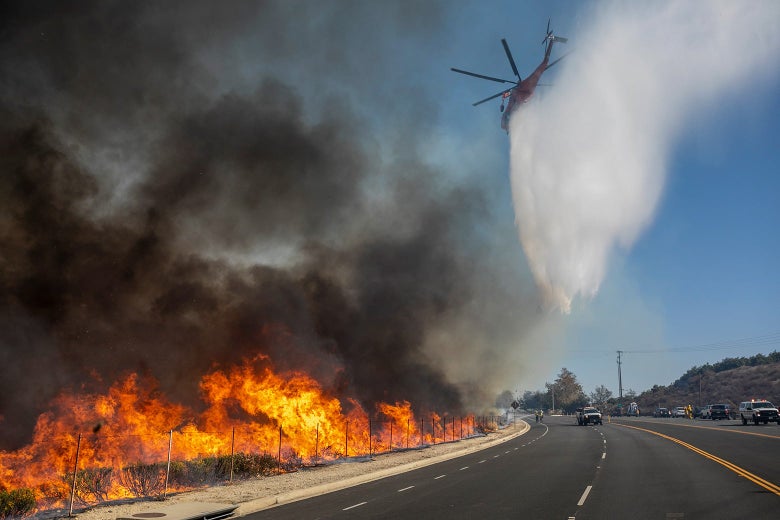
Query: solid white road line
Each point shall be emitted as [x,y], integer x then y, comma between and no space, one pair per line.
[356,505]
[405,489]
[584,496]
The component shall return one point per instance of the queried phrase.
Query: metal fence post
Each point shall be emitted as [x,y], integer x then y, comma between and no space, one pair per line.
[316,442]
[391,435]
[369,436]
[408,421]
[168,468]
[279,454]
[232,452]
[75,471]
[346,441]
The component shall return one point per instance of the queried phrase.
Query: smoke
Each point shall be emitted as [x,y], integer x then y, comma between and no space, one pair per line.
[589,162]
[179,193]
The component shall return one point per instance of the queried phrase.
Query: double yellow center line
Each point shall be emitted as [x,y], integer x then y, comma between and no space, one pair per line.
[769,486]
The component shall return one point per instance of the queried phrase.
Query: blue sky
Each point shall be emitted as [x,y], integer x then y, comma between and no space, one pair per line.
[704,270]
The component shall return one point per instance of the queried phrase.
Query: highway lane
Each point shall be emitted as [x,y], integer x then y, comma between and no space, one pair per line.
[647,475]
[756,447]
[514,479]
[632,468]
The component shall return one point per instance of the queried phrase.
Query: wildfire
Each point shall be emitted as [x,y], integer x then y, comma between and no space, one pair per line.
[249,409]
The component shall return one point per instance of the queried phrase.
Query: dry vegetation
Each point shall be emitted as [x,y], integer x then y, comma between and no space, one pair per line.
[726,386]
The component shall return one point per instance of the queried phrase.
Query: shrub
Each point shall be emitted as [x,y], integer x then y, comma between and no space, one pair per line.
[144,480]
[92,485]
[249,465]
[16,502]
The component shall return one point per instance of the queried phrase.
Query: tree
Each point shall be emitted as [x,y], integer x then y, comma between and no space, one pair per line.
[600,395]
[533,400]
[568,392]
[504,399]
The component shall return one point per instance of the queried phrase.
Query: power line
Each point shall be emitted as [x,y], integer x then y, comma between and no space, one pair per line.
[732,344]
[753,342]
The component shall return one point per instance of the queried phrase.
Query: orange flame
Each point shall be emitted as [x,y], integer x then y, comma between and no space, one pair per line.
[248,408]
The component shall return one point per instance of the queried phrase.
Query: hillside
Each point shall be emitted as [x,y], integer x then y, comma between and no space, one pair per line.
[729,386]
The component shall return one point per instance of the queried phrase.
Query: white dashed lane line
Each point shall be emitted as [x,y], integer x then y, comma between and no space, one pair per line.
[584,496]
[356,505]
[405,489]
[440,476]
[480,462]
[604,455]
[464,467]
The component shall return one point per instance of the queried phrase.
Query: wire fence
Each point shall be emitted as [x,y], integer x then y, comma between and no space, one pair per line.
[187,458]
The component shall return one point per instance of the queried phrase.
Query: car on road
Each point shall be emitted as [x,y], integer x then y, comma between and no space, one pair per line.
[679,411]
[704,412]
[719,411]
[662,412]
[758,411]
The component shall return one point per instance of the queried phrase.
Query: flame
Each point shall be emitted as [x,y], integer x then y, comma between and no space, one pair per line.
[248,408]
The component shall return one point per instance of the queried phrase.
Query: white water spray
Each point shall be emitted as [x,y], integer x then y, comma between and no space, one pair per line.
[588,162]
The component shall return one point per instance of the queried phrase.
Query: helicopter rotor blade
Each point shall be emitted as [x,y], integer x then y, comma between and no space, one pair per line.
[547,36]
[511,60]
[481,76]
[492,97]
[556,61]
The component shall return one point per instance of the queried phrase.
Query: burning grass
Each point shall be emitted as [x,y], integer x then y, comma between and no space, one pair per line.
[139,444]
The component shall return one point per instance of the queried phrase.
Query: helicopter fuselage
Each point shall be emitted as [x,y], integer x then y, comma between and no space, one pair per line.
[521,94]
[524,90]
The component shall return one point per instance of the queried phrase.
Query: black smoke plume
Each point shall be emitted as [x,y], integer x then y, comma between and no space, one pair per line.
[164,215]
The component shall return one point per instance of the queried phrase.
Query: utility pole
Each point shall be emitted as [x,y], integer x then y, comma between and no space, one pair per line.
[620,378]
[701,376]
[552,389]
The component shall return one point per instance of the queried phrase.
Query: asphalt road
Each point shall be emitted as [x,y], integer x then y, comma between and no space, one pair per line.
[630,468]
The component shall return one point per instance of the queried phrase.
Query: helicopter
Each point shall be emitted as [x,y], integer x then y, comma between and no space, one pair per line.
[522,89]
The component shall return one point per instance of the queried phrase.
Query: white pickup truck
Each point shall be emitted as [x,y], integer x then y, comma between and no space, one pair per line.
[758,411]
[588,415]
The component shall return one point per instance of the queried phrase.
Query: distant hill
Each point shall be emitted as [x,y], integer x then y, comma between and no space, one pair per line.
[730,381]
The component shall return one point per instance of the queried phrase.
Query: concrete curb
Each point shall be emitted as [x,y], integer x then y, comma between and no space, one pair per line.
[259,504]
